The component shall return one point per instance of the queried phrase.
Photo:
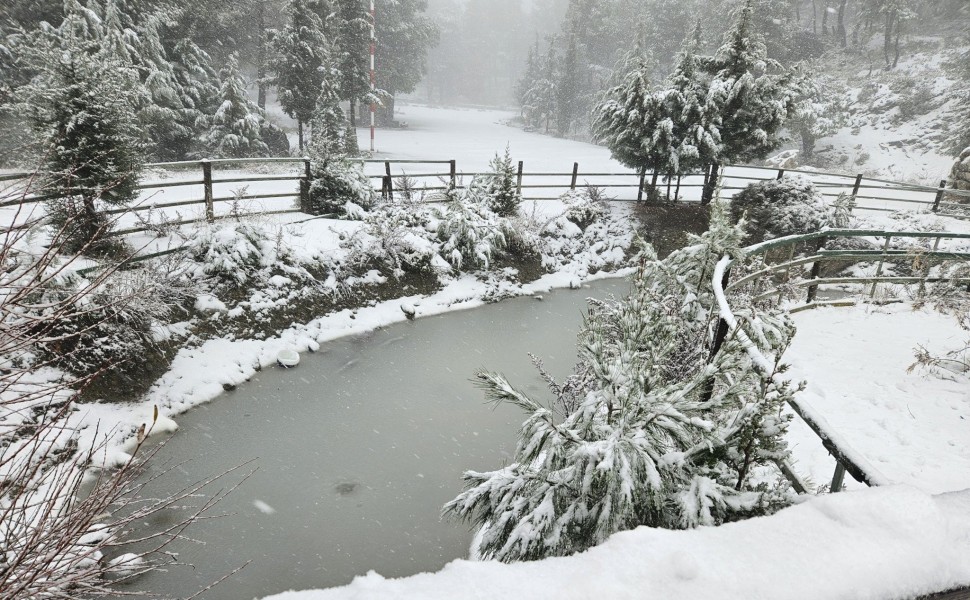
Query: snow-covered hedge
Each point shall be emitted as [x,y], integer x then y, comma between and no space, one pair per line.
[776,208]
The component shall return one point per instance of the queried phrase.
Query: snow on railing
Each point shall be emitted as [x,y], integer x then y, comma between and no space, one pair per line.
[847,458]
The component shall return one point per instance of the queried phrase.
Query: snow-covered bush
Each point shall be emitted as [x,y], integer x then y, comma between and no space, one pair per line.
[235,252]
[111,327]
[776,208]
[396,236]
[584,207]
[649,429]
[471,234]
[498,188]
[338,187]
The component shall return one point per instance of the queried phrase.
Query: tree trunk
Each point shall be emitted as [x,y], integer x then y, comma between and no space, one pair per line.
[841,26]
[814,17]
[887,37]
[353,114]
[899,27]
[808,144]
[261,56]
[299,128]
[825,20]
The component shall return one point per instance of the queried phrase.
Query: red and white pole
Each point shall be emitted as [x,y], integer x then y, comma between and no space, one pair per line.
[373,77]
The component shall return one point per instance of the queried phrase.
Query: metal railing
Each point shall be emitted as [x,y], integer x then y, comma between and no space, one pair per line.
[772,281]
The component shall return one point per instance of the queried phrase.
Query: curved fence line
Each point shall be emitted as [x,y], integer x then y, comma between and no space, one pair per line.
[847,459]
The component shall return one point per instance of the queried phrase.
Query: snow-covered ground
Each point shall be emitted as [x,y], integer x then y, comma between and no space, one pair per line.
[913,427]
[893,542]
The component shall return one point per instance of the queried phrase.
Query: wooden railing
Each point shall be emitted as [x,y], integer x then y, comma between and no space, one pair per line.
[209,190]
[773,281]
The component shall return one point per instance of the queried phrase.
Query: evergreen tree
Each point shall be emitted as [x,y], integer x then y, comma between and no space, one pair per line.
[404,35]
[753,94]
[235,130]
[353,53]
[539,101]
[329,125]
[498,189]
[820,110]
[628,121]
[567,88]
[649,429]
[82,108]
[301,50]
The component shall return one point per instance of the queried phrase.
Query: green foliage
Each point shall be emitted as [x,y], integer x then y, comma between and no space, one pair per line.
[236,129]
[472,235]
[649,429]
[339,185]
[81,108]
[301,50]
[498,189]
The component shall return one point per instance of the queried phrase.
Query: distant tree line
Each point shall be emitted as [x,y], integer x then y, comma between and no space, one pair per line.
[184,65]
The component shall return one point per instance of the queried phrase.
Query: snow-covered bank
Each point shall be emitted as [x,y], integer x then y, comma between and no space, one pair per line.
[894,542]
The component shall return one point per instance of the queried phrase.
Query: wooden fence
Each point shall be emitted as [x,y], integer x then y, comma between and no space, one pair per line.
[780,274]
[213,185]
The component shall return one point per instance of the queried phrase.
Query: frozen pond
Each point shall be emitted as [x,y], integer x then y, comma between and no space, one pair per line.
[359,447]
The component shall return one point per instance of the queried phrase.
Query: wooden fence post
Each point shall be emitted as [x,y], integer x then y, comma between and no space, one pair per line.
[816,270]
[677,191]
[939,196]
[855,191]
[454,173]
[643,178]
[781,173]
[572,184]
[518,181]
[305,186]
[389,180]
[210,213]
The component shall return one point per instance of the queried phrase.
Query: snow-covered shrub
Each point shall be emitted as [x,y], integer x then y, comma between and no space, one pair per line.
[110,326]
[338,187]
[498,188]
[776,208]
[842,211]
[395,236]
[584,207]
[649,429]
[472,235]
[234,252]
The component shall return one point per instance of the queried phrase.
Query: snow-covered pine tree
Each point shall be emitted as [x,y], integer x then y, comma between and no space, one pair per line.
[539,101]
[339,185]
[648,430]
[352,24]
[404,35]
[301,50]
[81,105]
[754,94]
[498,189]
[629,118]
[235,130]
[820,109]
[696,136]
[328,127]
